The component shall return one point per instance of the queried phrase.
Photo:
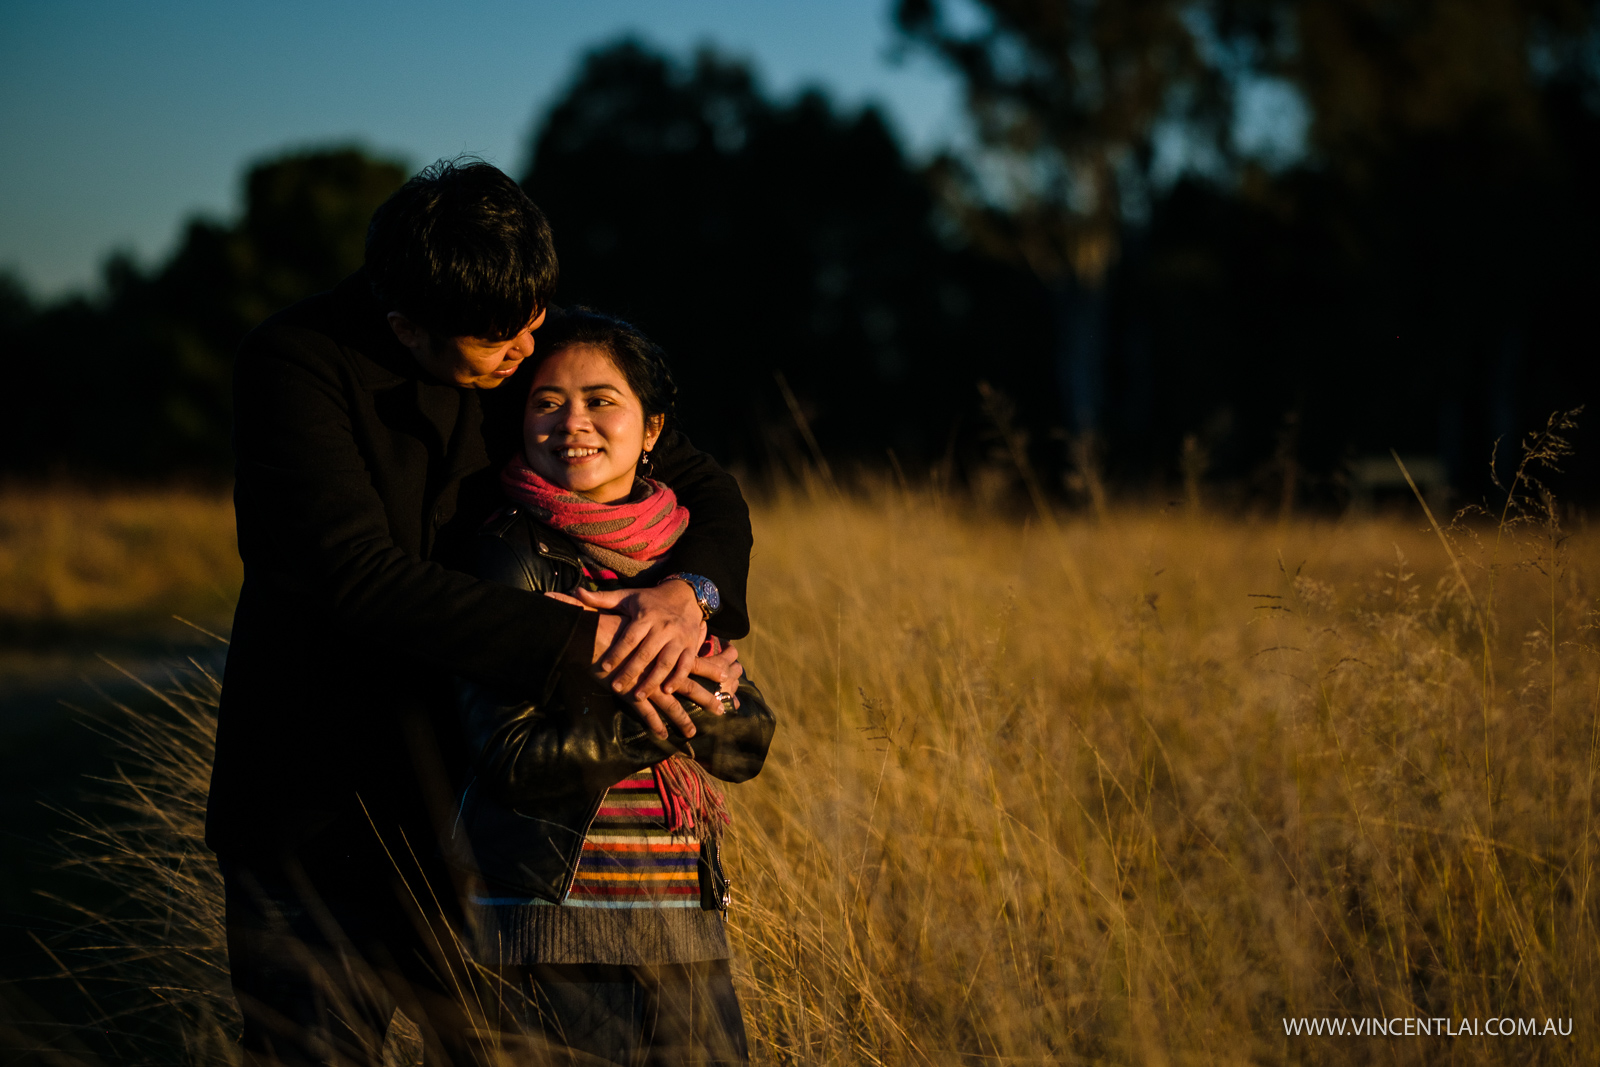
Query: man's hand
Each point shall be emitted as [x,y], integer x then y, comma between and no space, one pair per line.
[651,654]
[651,708]
[663,633]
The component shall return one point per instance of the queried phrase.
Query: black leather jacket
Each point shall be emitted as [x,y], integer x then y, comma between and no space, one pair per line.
[540,766]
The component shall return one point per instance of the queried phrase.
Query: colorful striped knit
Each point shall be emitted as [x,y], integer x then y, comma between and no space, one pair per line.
[630,860]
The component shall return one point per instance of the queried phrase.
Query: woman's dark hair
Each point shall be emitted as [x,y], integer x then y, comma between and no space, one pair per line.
[461,251]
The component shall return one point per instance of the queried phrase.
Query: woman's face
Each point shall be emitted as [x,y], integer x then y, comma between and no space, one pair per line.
[584,428]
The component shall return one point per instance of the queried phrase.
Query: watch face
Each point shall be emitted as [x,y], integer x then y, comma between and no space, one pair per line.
[705,591]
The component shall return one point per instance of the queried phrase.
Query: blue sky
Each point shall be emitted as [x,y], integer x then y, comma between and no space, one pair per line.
[121,119]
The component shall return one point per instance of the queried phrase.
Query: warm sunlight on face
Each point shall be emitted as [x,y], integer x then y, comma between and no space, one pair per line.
[469,362]
[583,428]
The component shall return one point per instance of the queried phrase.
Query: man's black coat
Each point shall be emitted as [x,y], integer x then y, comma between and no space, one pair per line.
[360,481]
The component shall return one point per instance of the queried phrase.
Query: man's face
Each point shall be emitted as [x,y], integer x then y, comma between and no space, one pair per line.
[469,362]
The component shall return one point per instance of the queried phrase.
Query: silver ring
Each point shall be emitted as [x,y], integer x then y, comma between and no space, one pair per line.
[726,700]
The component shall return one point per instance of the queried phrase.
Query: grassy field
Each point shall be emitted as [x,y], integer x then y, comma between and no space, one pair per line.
[82,565]
[1134,791]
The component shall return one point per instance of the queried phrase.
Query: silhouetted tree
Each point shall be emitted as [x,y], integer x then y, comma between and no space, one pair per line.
[752,237]
[1380,76]
[1418,279]
[137,380]
[1066,99]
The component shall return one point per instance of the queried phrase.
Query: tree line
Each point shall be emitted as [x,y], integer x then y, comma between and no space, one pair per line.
[1419,277]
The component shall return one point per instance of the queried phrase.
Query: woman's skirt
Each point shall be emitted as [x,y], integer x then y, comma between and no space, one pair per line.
[601,1014]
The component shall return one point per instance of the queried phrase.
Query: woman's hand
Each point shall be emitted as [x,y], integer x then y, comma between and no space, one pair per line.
[725,670]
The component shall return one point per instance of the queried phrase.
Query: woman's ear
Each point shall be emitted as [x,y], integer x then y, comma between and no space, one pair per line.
[652,430]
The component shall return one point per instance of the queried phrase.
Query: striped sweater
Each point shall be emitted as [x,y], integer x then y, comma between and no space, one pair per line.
[635,896]
[629,858]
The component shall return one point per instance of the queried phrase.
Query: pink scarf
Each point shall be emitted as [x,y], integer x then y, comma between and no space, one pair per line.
[621,540]
[625,540]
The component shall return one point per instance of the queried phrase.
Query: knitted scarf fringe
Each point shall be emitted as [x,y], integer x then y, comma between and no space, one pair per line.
[693,801]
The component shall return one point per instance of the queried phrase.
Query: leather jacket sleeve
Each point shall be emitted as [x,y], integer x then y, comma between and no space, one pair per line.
[576,737]
[581,740]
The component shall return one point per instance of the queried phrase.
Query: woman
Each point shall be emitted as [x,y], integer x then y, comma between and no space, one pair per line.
[599,892]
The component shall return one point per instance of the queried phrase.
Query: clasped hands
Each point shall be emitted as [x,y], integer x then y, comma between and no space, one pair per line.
[647,644]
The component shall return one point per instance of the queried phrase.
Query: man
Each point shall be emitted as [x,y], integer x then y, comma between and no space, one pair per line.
[365,463]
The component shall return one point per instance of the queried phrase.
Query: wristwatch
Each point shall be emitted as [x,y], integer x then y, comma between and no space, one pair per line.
[705,592]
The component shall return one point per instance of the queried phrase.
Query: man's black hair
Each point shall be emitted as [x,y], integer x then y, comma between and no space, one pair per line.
[461,251]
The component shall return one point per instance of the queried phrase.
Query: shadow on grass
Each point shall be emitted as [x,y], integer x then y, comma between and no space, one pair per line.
[122,636]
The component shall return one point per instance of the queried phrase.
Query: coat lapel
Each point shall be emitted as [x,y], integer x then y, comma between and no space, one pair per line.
[440,405]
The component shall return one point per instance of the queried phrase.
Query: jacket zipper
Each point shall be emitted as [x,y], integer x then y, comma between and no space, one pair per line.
[721,884]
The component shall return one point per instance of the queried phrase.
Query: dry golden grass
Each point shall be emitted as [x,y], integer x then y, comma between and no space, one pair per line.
[1129,792]
[1135,792]
[71,555]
